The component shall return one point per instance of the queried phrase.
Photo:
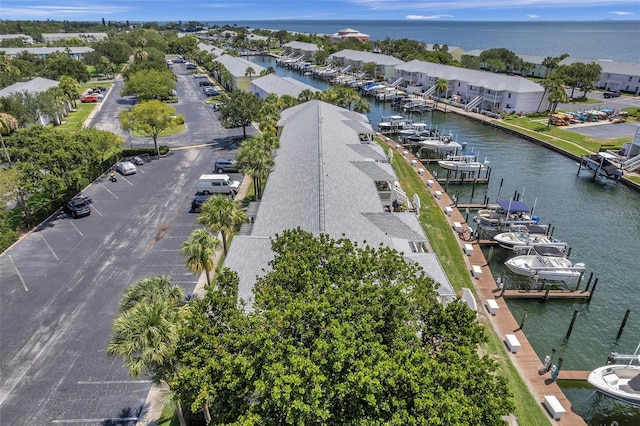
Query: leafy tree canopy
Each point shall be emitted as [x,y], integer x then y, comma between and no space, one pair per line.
[150,84]
[240,110]
[338,334]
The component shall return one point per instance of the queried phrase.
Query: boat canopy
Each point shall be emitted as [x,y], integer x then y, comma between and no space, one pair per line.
[513,206]
[549,251]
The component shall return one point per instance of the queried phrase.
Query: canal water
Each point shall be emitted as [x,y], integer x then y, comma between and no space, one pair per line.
[601,224]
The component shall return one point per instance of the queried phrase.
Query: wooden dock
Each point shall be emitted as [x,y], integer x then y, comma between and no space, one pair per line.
[573,375]
[543,294]
[526,360]
[471,206]
[463,180]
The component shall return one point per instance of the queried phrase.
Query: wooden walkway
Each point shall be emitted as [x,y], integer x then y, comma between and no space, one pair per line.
[525,360]
[542,294]
[573,375]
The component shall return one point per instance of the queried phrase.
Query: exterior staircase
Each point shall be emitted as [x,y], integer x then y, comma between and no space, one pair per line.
[474,103]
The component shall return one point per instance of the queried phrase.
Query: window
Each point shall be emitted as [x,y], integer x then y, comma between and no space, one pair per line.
[509,96]
[630,78]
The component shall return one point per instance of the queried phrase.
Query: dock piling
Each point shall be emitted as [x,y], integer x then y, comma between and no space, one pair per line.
[589,281]
[573,320]
[524,317]
[624,322]
[593,290]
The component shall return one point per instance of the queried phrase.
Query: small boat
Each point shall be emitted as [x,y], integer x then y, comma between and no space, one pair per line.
[619,381]
[505,215]
[546,264]
[518,240]
[463,163]
[394,124]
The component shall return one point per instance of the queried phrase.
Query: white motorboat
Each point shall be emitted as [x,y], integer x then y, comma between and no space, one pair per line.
[505,215]
[394,124]
[518,240]
[546,264]
[463,163]
[439,144]
[619,381]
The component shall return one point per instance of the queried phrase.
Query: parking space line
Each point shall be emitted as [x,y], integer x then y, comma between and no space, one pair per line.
[109,191]
[114,420]
[96,210]
[125,179]
[74,225]
[19,274]
[52,252]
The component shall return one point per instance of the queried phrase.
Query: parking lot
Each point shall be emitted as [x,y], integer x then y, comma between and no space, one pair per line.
[62,282]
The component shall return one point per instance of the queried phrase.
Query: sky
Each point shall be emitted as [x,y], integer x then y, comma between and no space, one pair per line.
[247,10]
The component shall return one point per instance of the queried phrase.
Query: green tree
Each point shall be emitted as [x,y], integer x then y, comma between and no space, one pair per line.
[338,334]
[255,158]
[362,106]
[249,72]
[557,95]
[369,69]
[59,64]
[307,95]
[220,213]
[241,109]
[71,88]
[200,248]
[442,86]
[150,84]
[145,334]
[149,119]
[550,84]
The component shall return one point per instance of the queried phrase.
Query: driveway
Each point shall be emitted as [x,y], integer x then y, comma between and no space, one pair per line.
[62,282]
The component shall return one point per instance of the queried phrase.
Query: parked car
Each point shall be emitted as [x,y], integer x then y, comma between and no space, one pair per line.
[199,76]
[198,200]
[137,161]
[78,207]
[217,184]
[191,66]
[126,168]
[224,165]
[88,98]
[217,106]
[211,91]
[611,94]
[205,83]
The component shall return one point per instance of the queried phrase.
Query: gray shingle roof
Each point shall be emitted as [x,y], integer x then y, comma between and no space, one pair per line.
[271,83]
[211,49]
[498,82]
[307,47]
[238,66]
[432,268]
[358,55]
[35,85]
[324,181]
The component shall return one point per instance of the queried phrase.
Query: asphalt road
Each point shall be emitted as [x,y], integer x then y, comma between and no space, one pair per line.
[60,285]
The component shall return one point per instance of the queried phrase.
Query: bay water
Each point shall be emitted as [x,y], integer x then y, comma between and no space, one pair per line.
[606,39]
[601,224]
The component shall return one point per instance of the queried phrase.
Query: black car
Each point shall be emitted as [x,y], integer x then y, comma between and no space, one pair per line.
[211,91]
[198,200]
[611,94]
[224,165]
[78,207]
[205,83]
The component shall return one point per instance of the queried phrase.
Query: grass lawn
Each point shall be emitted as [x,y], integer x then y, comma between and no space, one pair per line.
[167,132]
[75,120]
[445,244]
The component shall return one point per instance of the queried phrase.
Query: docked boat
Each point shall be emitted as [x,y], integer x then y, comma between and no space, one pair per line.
[546,264]
[619,381]
[603,165]
[505,215]
[394,124]
[463,163]
[519,240]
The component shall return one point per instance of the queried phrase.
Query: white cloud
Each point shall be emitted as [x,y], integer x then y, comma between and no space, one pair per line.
[442,5]
[532,16]
[621,13]
[418,17]
[59,12]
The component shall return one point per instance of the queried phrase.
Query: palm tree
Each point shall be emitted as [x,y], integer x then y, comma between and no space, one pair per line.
[306,95]
[8,124]
[150,289]
[71,88]
[550,84]
[146,333]
[556,96]
[362,106]
[220,213]
[200,248]
[256,160]
[249,72]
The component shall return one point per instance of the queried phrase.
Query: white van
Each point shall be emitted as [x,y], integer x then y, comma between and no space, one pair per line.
[217,184]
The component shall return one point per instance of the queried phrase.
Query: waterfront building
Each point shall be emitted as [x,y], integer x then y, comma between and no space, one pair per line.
[34,86]
[455,51]
[237,67]
[349,34]
[355,59]
[43,52]
[26,39]
[214,50]
[271,83]
[299,48]
[85,37]
[330,177]
[483,90]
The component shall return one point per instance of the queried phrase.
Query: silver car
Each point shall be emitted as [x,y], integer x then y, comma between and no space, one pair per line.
[126,168]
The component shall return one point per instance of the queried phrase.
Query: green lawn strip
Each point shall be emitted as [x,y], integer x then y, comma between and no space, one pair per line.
[635,179]
[444,243]
[561,143]
[75,120]
[168,416]
[528,411]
